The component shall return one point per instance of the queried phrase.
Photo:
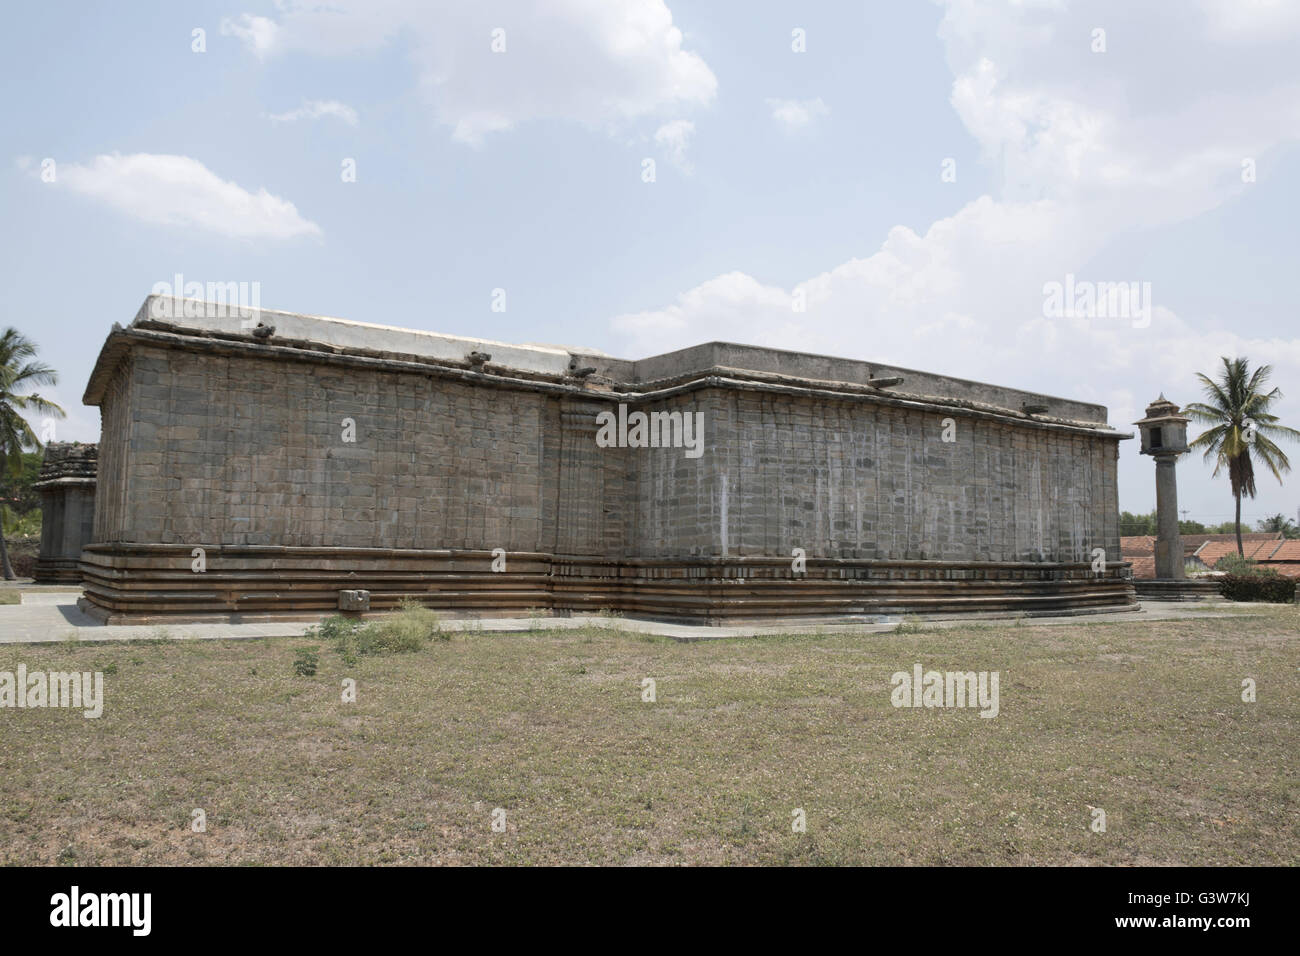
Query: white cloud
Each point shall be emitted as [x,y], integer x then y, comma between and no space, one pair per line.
[1090,147]
[315,109]
[180,191]
[1151,131]
[1258,19]
[929,300]
[796,114]
[258,33]
[675,137]
[601,63]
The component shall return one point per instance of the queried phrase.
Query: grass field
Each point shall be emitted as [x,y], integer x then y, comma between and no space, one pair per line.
[1142,720]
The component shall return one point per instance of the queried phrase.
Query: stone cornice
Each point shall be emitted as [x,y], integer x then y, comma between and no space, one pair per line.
[54,483]
[121,341]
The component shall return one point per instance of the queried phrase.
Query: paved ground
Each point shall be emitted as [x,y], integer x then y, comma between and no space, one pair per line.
[25,584]
[50,615]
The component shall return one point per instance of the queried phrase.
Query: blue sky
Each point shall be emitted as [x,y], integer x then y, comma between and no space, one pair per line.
[779,175]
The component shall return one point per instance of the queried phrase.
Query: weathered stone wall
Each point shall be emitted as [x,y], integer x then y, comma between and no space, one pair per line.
[671,496]
[853,479]
[228,450]
[585,500]
[115,478]
[213,438]
[232,450]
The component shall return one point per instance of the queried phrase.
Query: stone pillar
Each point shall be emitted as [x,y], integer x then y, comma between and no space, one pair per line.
[1169,542]
[67,487]
[1164,438]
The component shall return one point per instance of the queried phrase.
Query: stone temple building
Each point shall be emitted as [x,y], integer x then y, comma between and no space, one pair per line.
[67,487]
[252,468]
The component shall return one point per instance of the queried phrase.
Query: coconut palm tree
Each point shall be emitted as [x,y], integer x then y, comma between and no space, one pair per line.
[1237,407]
[20,371]
[1278,522]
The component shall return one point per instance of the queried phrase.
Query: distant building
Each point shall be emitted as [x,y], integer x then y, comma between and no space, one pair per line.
[1202,551]
[1274,553]
[67,486]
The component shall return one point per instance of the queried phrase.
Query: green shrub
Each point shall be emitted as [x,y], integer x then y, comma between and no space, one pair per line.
[407,629]
[20,525]
[304,665]
[334,628]
[1258,585]
[910,624]
[341,632]
[1235,564]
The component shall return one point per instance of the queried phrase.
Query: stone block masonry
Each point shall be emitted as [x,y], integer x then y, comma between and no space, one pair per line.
[259,475]
[67,487]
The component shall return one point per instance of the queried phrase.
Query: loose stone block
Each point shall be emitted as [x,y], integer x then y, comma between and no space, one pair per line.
[354,600]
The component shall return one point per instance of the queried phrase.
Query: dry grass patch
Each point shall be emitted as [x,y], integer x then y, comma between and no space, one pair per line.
[1142,719]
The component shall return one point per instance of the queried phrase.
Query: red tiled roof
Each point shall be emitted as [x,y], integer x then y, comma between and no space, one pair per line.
[1139,544]
[1130,545]
[1144,566]
[1196,540]
[1286,551]
[1212,551]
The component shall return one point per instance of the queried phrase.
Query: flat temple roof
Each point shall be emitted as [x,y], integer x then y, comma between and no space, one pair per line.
[198,317]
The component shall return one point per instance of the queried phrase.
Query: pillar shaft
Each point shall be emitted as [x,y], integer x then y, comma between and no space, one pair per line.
[1169,543]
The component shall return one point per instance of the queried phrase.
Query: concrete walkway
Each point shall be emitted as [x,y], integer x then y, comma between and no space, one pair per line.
[51,616]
